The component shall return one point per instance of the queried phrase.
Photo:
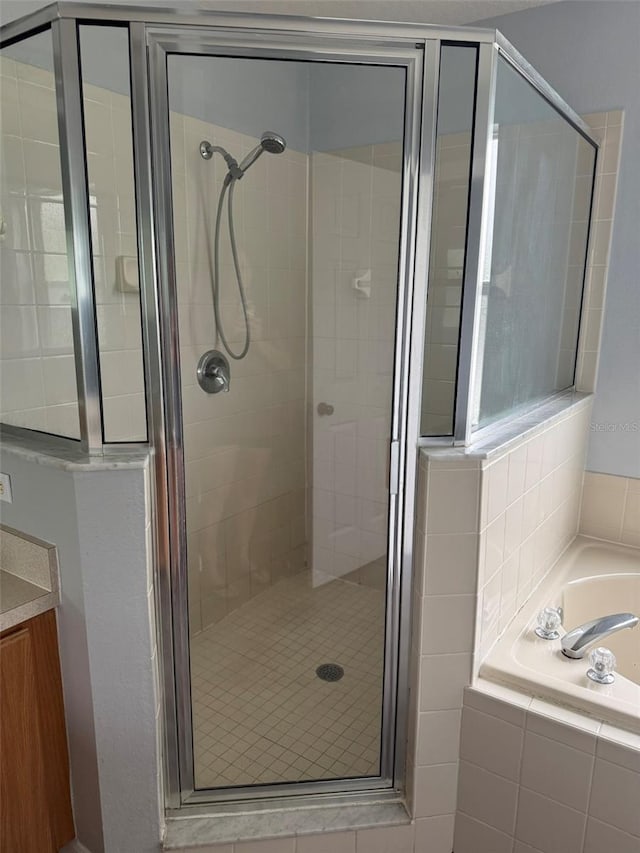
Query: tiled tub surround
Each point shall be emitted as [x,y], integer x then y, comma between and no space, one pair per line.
[529,515]
[591,579]
[490,523]
[535,778]
[497,519]
[37,367]
[611,508]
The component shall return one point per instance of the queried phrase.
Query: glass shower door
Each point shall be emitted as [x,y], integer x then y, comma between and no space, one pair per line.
[286,230]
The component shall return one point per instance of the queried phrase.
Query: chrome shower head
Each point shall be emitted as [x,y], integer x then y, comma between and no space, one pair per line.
[270,142]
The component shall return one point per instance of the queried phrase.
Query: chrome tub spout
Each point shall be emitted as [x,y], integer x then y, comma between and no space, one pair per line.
[577,642]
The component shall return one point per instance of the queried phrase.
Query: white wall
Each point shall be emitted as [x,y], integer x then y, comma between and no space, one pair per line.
[247,96]
[588,51]
[351,105]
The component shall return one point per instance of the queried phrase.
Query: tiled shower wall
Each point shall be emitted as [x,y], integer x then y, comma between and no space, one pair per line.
[107,118]
[37,367]
[245,451]
[607,128]
[446,266]
[355,214]
[37,370]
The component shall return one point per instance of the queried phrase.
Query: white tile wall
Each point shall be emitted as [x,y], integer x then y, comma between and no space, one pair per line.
[107,118]
[37,374]
[546,781]
[355,215]
[608,128]
[37,370]
[446,264]
[529,515]
[488,530]
[494,529]
[611,508]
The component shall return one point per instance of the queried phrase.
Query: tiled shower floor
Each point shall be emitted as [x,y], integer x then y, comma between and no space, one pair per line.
[260,712]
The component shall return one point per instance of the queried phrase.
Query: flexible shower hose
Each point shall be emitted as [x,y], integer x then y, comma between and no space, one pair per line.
[229,183]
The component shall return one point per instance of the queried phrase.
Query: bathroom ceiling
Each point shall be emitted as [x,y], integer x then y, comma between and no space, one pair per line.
[448,12]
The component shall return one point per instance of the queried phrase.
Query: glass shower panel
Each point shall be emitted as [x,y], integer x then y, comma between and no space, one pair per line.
[286,468]
[106,94]
[37,367]
[454,138]
[541,179]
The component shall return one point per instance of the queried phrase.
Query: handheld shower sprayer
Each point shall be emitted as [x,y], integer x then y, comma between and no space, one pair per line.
[272,143]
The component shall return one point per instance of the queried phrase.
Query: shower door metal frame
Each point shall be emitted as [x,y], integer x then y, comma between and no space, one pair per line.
[62,15]
[257,43]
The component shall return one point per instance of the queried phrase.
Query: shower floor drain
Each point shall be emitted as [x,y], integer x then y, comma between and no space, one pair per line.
[330,672]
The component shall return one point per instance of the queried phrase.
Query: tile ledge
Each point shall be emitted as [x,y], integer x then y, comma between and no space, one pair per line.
[197,830]
[508,435]
[69,459]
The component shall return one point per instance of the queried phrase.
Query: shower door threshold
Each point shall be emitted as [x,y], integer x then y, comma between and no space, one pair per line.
[201,826]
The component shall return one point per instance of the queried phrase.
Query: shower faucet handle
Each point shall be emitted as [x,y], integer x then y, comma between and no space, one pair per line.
[325,409]
[213,372]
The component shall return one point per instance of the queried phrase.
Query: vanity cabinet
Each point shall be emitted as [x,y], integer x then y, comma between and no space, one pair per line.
[35,800]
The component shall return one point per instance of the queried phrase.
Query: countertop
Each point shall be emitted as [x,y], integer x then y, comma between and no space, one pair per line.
[29,578]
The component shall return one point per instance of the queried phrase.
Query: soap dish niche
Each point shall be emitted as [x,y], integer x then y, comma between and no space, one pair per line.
[127,274]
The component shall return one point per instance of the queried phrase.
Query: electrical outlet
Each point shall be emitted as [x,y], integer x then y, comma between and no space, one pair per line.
[5,488]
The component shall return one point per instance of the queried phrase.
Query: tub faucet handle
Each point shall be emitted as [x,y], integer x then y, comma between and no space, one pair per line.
[549,621]
[603,663]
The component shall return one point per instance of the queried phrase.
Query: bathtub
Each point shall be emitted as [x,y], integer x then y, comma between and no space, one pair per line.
[591,579]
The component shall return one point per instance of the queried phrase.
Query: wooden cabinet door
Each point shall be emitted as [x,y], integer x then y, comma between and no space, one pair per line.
[24,818]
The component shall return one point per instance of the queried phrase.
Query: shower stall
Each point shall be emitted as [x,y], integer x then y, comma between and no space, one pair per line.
[282,253]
